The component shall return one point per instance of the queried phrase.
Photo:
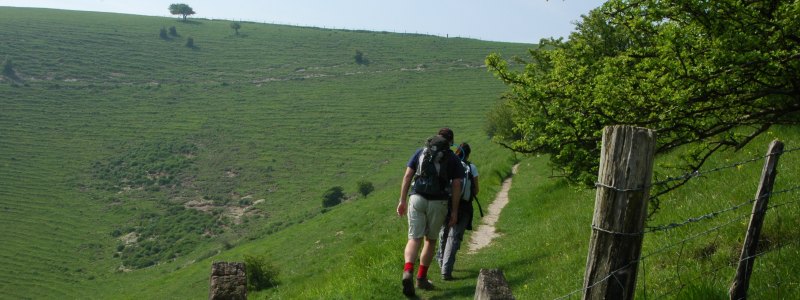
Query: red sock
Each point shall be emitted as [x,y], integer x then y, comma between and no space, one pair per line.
[409,267]
[423,271]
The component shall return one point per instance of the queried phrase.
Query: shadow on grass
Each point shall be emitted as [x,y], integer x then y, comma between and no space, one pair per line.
[466,280]
[190,22]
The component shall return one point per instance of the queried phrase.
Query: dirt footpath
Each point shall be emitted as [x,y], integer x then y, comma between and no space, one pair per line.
[485,232]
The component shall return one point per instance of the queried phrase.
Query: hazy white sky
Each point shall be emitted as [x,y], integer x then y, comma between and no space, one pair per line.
[524,21]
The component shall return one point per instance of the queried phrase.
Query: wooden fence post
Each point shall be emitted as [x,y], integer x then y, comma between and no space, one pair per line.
[741,281]
[623,188]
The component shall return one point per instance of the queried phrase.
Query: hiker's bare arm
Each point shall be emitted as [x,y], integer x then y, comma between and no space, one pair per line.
[456,188]
[477,186]
[403,205]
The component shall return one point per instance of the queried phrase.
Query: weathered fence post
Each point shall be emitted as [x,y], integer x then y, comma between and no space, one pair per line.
[228,281]
[620,209]
[741,281]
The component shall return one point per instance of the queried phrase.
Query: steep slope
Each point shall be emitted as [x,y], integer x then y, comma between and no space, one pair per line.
[130,160]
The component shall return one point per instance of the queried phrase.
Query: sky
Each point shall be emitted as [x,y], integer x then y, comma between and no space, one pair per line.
[522,21]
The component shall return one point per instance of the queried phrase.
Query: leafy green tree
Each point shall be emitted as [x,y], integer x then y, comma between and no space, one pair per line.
[333,196]
[365,188]
[360,59]
[181,9]
[236,26]
[709,74]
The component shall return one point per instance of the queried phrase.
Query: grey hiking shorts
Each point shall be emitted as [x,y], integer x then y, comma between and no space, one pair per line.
[425,217]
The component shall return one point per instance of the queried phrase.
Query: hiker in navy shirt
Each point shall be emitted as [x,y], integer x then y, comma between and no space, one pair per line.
[427,212]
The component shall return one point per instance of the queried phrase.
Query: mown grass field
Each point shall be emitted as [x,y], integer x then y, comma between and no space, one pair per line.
[99,105]
[268,121]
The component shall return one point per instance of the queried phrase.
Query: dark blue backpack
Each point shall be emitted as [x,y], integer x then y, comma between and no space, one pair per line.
[431,179]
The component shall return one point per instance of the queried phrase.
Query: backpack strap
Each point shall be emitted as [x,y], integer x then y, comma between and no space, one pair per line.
[480,209]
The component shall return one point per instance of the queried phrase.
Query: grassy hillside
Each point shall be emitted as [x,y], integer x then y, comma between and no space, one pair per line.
[130,161]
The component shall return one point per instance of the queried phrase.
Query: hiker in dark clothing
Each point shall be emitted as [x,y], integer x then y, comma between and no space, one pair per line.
[426,203]
[450,237]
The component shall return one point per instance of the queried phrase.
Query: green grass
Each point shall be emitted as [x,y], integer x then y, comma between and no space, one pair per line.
[546,230]
[282,114]
[273,117]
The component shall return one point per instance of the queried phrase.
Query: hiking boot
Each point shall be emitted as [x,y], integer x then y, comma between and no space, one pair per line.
[447,277]
[424,283]
[408,284]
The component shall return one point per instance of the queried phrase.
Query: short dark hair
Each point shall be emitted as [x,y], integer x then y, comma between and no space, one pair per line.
[463,151]
[447,133]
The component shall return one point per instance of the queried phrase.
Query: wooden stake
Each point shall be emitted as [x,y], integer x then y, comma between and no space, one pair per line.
[741,281]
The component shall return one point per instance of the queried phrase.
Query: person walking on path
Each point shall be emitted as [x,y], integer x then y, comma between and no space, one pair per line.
[425,203]
[450,237]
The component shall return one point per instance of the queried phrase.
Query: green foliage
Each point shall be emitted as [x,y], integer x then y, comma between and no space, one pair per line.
[157,164]
[167,236]
[236,26]
[500,122]
[173,31]
[190,42]
[365,187]
[332,197]
[163,34]
[260,273]
[547,230]
[716,72]
[181,9]
[360,59]
[8,68]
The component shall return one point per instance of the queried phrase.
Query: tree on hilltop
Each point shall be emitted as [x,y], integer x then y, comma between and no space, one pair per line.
[181,9]
[707,75]
[236,26]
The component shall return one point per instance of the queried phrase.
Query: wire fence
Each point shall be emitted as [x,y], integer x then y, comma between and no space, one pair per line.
[701,245]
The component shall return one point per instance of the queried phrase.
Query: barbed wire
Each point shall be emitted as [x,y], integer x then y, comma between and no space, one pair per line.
[717,269]
[612,273]
[710,215]
[642,258]
[693,174]
[714,214]
[783,204]
[697,173]
[682,243]
[692,220]
[655,202]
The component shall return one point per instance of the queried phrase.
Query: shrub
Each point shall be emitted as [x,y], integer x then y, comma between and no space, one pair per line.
[236,26]
[163,33]
[190,42]
[365,187]
[173,31]
[260,273]
[333,196]
[8,68]
[360,59]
